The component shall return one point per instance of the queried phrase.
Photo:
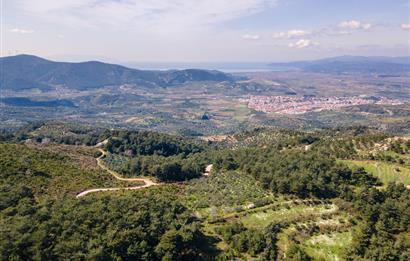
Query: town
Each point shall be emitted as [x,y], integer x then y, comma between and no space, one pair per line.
[304,104]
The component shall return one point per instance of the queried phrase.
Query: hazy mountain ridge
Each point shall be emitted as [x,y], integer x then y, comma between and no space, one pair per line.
[21,101]
[27,71]
[352,64]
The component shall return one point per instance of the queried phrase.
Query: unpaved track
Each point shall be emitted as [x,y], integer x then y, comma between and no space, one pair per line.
[148,182]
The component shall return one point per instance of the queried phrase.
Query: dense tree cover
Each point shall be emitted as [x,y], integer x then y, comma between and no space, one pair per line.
[383,233]
[172,168]
[62,133]
[242,240]
[41,220]
[229,189]
[253,242]
[279,138]
[349,143]
[134,143]
[296,172]
[6,135]
[400,146]
[151,154]
[356,143]
[50,170]
[143,225]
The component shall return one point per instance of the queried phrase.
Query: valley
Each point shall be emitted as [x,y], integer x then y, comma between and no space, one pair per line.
[201,105]
[251,130]
[202,165]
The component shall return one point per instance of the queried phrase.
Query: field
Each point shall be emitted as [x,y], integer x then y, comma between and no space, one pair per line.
[329,246]
[180,109]
[218,195]
[226,199]
[289,211]
[386,172]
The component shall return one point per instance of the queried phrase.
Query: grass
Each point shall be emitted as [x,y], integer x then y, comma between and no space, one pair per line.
[289,213]
[386,172]
[328,241]
[330,246]
[241,112]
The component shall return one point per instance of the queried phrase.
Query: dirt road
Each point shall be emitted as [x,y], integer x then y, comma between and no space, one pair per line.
[147,182]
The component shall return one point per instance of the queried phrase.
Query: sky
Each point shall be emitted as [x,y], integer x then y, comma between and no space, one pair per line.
[204,30]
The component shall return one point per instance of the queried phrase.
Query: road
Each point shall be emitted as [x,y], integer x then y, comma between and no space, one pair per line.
[147,182]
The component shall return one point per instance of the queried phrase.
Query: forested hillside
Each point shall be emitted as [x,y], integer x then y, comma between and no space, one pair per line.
[267,194]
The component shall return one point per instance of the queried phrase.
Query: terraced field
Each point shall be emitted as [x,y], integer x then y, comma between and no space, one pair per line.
[323,238]
[219,195]
[330,246]
[292,212]
[224,200]
[386,172]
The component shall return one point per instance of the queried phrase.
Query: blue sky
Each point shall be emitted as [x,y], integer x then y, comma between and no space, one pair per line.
[204,30]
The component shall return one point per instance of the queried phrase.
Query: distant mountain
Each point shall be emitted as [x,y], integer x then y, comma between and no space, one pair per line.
[27,71]
[22,101]
[352,64]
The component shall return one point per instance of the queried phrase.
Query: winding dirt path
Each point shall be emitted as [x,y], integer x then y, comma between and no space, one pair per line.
[147,182]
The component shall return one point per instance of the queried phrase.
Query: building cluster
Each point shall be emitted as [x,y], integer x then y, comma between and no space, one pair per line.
[300,105]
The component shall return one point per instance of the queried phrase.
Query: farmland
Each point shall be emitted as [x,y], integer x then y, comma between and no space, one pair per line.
[386,172]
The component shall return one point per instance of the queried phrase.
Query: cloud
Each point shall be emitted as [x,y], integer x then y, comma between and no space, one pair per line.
[303,43]
[250,36]
[405,26]
[291,34]
[21,31]
[152,16]
[366,26]
[354,25]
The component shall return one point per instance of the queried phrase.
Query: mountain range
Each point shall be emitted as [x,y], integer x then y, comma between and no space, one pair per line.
[27,71]
[351,64]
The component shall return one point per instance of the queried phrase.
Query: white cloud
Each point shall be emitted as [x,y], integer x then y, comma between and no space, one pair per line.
[143,15]
[291,34]
[297,33]
[303,43]
[366,26]
[250,36]
[21,31]
[405,26]
[354,24]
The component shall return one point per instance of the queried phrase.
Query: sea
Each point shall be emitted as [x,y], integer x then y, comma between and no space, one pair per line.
[224,67]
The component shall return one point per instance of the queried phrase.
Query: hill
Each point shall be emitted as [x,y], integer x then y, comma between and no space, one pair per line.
[52,170]
[270,195]
[27,71]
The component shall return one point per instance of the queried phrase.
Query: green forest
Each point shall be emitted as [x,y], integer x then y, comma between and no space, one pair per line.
[265,194]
